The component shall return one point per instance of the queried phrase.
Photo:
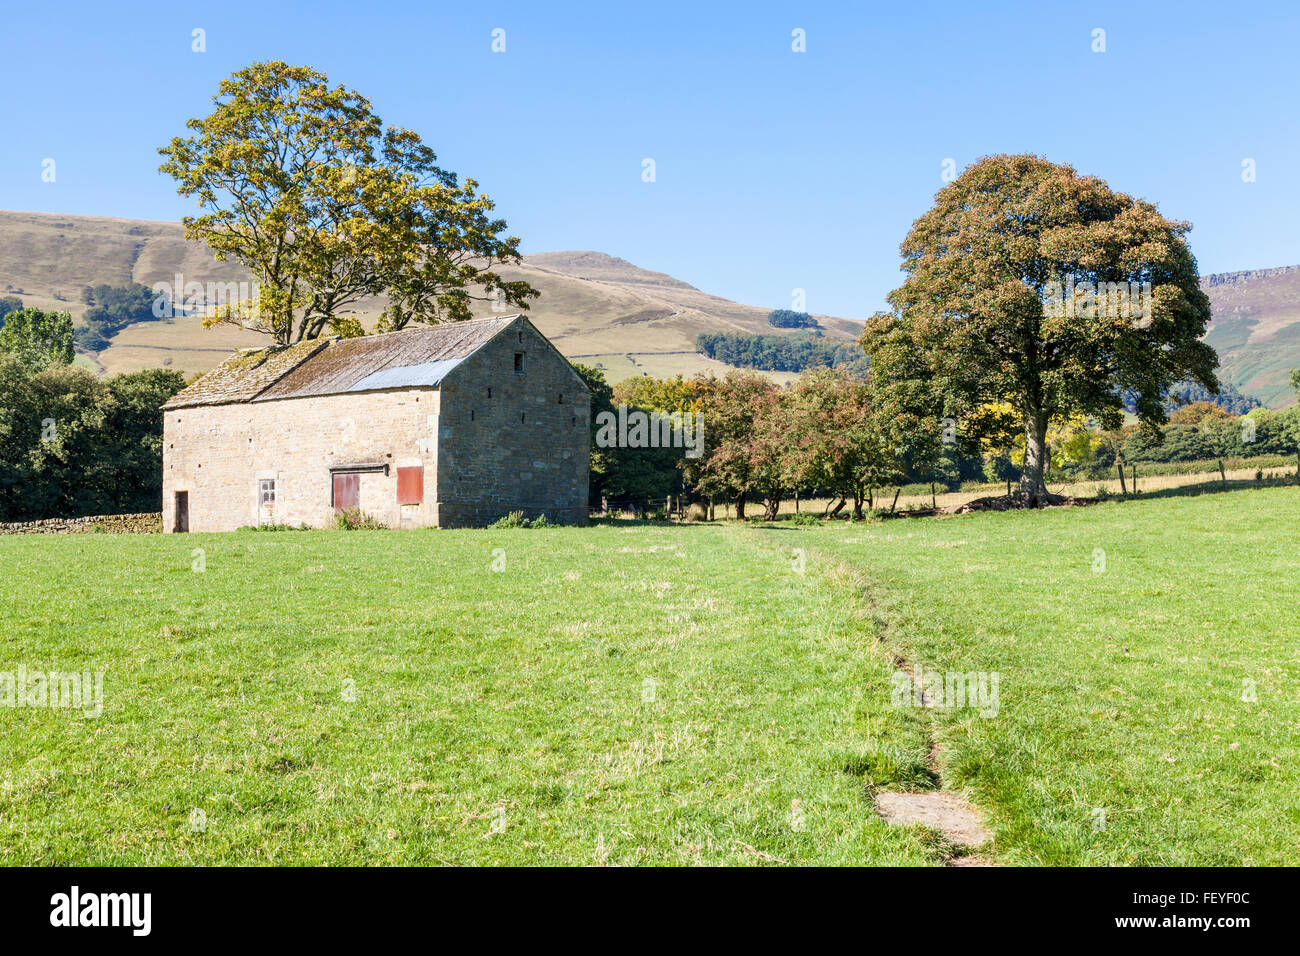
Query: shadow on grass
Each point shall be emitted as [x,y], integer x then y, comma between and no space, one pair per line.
[792,522]
[1213,487]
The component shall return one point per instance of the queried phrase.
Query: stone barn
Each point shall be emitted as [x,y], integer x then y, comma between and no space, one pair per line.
[447,425]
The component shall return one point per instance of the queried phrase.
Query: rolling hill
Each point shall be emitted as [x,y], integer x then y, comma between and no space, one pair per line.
[596,308]
[1256,330]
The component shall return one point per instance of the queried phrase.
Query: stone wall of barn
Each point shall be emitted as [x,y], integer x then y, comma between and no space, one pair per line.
[219,454]
[513,441]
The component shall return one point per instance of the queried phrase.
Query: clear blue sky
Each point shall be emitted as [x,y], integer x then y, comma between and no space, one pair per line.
[775,169]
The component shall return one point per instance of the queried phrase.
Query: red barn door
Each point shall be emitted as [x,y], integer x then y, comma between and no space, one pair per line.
[347,491]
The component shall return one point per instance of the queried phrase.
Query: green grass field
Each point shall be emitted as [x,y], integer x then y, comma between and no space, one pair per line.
[1147,654]
[632,693]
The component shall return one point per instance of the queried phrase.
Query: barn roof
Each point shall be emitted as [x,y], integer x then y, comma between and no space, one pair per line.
[412,358]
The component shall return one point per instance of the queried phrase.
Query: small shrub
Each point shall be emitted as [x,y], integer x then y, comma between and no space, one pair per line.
[804,519]
[515,519]
[353,519]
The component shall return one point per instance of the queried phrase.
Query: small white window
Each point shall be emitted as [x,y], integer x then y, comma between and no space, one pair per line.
[266,489]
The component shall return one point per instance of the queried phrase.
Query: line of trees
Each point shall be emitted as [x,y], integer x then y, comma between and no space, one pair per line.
[1229,398]
[113,308]
[831,435]
[763,443]
[781,353]
[790,319]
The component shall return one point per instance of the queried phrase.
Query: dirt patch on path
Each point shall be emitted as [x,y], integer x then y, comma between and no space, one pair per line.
[943,810]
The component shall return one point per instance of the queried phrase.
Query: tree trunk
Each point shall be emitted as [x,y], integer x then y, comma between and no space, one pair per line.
[933,506]
[1033,493]
[1123,488]
[836,509]
[1223,476]
[1135,477]
[897,492]
[796,501]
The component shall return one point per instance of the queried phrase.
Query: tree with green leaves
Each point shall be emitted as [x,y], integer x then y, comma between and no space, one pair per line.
[771,468]
[72,444]
[731,408]
[834,439]
[303,184]
[1020,288]
[1292,426]
[633,476]
[38,338]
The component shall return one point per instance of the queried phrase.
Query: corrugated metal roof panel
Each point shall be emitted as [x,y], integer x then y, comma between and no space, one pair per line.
[413,358]
[348,362]
[426,374]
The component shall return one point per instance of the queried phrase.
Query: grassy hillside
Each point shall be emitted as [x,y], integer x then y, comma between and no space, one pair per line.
[673,694]
[596,308]
[1256,330]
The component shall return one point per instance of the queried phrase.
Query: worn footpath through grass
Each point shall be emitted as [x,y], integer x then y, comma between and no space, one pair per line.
[601,695]
[1148,656]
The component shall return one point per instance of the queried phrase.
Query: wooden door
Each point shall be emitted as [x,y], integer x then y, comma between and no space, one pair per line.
[347,491]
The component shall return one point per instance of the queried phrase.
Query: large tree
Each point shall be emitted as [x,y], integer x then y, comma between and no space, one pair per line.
[303,184]
[1011,296]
